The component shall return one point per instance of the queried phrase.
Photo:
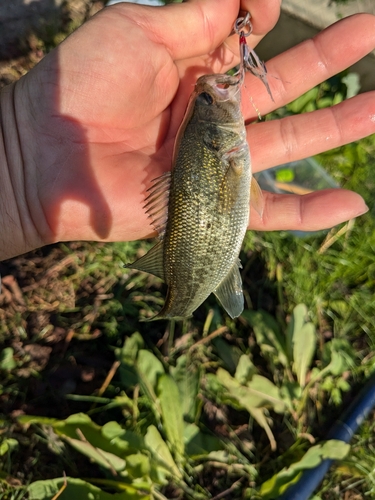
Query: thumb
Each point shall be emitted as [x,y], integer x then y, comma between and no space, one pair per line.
[188,29]
[196,27]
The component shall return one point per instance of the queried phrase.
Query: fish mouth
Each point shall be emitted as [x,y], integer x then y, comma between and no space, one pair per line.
[221,87]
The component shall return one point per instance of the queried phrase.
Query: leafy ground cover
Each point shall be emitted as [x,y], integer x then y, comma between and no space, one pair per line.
[95,404]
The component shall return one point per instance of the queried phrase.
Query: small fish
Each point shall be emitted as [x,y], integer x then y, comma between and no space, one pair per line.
[201,208]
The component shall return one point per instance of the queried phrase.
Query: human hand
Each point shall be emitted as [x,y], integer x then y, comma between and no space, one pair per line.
[97,118]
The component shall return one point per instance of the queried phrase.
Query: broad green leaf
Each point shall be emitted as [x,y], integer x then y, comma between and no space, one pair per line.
[7,361]
[128,375]
[198,443]
[337,364]
[297,320]
[334,449]
[338,356]
[300,342]
[304,345]
[77,420]
[149,367]
[311,458]
[126,441]
[245,369]
[101,457]
[228,353]
[131,347]
[277,484]
[69,426]
[122,484]
[187,376]
[220,456]
[8,445]
[160,451]
[144,371]
[87,430]
[138,466]
[32,419]
[267,392]
[171,413]
[110,438]
[79,489]
[259,392]
[290,391]
[128,357]
[249,399]
[268,335]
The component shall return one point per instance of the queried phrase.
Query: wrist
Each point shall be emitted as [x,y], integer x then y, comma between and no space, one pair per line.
[20,218]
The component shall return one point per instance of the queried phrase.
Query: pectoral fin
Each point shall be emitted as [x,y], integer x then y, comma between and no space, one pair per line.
[229,292]
[152,262]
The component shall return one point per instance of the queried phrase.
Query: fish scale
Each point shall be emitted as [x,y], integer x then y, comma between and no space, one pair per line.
[208,205]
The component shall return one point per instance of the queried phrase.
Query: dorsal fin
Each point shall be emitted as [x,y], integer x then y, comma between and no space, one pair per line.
[156,205]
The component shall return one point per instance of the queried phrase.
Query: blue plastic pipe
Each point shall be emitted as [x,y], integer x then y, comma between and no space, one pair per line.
[343,430]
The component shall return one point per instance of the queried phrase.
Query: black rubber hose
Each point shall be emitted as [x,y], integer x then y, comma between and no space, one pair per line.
[343,430]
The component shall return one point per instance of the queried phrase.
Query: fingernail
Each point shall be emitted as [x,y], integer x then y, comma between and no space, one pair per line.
[363,211]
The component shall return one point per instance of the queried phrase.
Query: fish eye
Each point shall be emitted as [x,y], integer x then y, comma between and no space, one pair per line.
[205,98]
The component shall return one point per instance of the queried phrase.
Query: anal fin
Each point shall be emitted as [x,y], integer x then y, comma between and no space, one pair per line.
[229,292]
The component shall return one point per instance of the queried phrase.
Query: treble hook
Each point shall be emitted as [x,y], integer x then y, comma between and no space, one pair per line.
[249,61]
[241,23]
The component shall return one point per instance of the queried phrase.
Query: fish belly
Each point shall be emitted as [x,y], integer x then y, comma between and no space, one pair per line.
[208,216]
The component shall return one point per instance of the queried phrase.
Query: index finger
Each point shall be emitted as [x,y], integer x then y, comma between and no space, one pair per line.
[311,62]
[197,27]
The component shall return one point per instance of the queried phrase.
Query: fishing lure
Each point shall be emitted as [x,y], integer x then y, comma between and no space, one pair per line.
[249,61]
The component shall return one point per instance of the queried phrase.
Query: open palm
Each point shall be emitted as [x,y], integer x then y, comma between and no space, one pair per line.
[98,116]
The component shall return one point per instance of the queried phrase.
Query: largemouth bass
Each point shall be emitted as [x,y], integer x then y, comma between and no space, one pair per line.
[201,207]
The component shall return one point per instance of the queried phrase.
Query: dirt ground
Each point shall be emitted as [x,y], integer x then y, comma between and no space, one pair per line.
[28,31]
